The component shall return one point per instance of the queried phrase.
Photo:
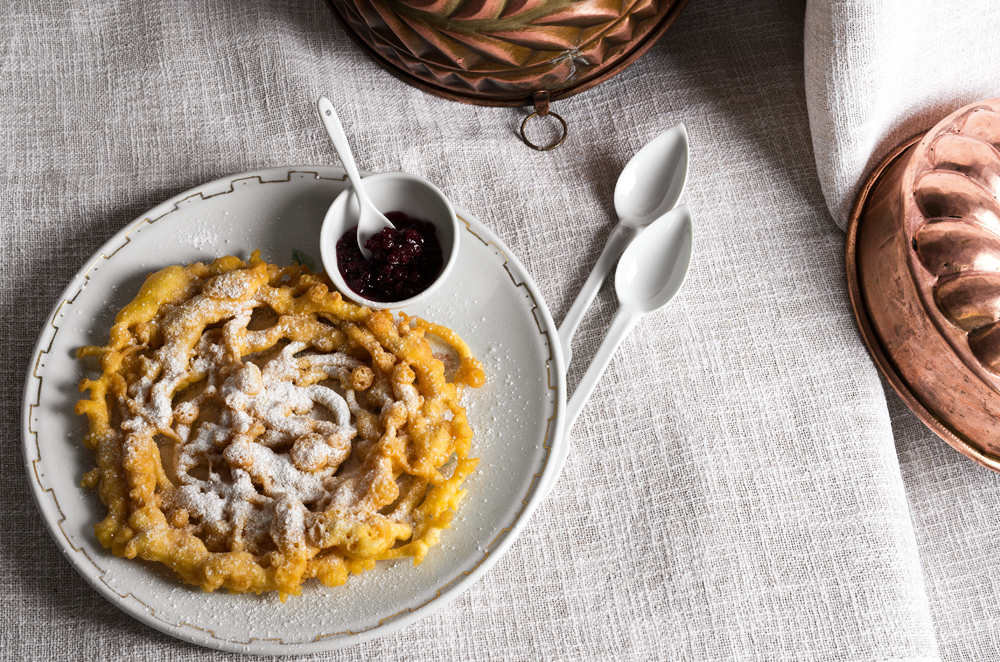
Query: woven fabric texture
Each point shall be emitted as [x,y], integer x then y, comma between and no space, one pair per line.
[880,72]
[733,491]
[876,74]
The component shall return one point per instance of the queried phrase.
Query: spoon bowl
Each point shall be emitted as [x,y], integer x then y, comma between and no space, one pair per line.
[652,271]
[391,191]
[653,180]
[649,186]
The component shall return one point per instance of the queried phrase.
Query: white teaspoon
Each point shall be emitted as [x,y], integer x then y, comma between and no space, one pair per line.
[649,275]
[650,185]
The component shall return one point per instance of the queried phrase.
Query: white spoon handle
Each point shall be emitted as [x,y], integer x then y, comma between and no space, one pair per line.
[370,219]
[343,148]
[339,139]
[621,325]
[619,240]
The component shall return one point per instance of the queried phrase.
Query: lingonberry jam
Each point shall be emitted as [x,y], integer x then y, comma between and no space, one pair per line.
[404,263]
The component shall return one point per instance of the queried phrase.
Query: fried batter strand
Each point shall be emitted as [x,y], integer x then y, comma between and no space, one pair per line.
[253,430]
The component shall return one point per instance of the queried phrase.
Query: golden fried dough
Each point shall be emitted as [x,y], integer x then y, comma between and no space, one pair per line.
[252,429]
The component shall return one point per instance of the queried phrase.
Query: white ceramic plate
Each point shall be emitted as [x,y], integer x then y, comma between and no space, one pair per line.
[488,299]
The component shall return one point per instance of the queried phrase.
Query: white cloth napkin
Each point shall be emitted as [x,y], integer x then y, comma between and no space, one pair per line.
[879,72]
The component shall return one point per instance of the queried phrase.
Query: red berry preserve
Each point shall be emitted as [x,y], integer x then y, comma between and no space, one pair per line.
[404,263]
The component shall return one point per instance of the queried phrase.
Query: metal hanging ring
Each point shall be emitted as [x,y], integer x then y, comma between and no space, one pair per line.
[524,137]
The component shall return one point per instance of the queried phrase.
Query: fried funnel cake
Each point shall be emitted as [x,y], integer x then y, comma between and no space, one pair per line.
[252,429]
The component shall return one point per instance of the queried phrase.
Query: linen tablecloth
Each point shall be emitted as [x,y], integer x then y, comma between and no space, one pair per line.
[740,485]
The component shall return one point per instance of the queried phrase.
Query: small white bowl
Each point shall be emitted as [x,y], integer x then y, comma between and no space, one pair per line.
[391,191]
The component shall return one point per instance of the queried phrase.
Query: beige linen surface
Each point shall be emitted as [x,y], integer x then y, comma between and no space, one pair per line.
[733,491]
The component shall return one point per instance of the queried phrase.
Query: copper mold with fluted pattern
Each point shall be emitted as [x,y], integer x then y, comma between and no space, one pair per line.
[924,272]
[505,52]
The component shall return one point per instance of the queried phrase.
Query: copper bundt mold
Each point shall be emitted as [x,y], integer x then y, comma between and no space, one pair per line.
[505,52]
[923,267]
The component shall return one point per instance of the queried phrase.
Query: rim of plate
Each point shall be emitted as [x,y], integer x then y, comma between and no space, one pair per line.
[48,506]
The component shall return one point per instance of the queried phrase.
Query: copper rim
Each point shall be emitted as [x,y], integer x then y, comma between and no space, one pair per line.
[875,349]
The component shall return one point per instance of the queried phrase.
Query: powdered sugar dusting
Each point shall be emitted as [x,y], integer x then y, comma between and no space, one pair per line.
[274,441]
